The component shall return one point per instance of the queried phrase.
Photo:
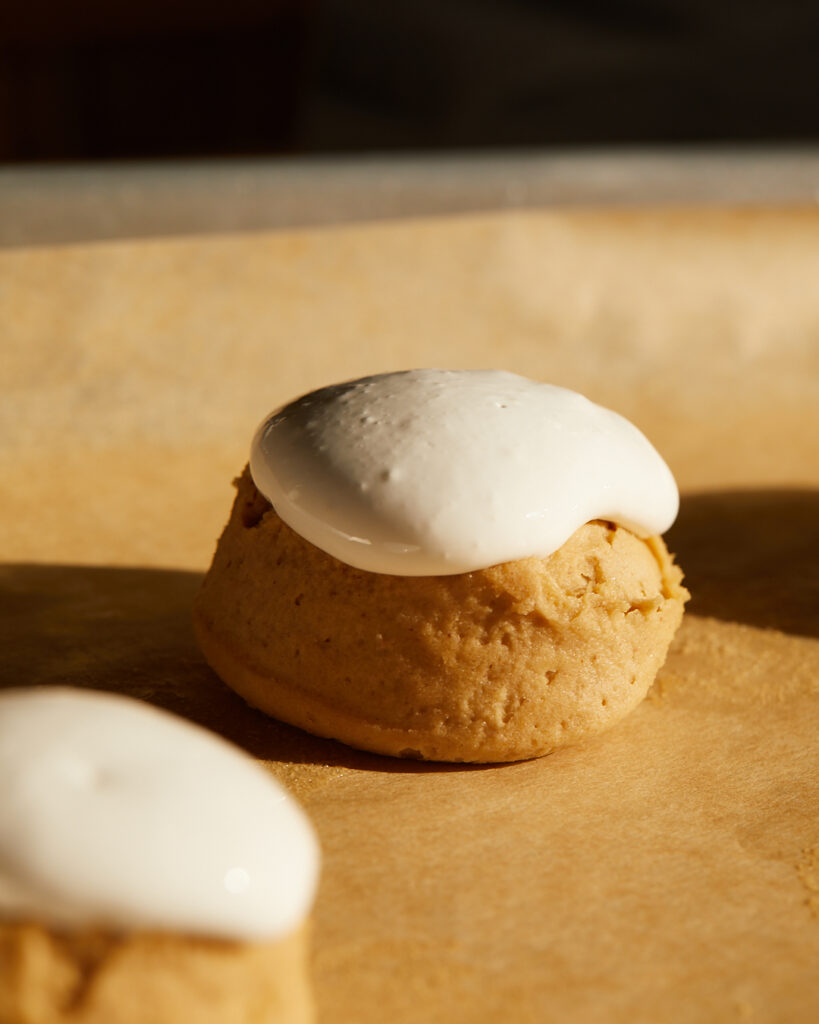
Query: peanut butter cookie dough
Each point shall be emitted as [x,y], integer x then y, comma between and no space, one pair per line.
[90,977]
[498,664]
[150,872]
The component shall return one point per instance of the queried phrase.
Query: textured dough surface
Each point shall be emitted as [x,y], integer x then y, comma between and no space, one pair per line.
[496,665]
[97,978]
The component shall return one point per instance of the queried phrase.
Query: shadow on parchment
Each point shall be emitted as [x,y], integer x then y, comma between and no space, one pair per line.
[748,556]
[129,630]
[752,556]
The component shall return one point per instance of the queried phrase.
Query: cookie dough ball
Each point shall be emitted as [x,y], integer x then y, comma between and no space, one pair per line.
[150,872]
[498,664]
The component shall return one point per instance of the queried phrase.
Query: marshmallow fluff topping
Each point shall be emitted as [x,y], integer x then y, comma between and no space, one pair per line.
[115,814]
[436,472]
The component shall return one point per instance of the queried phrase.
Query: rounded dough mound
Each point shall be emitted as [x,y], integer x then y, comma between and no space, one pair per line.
[499,664]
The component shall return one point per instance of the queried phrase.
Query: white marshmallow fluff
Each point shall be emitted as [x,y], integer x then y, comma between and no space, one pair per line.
[436,472]
[118,815]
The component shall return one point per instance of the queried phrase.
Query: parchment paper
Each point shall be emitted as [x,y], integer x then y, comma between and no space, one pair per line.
[668,871]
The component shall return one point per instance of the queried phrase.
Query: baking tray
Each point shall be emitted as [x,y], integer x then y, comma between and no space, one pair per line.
[668,870]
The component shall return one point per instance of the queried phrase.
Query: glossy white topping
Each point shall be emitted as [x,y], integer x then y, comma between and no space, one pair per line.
[434,472]
[118,815]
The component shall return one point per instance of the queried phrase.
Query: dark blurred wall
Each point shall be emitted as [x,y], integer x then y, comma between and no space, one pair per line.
[90,79]
[86,79]
[478,72]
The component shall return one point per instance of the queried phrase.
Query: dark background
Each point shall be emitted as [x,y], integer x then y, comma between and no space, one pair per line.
[98,79]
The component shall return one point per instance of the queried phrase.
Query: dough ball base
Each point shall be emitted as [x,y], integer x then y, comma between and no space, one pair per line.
[98,978]
[500,664]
